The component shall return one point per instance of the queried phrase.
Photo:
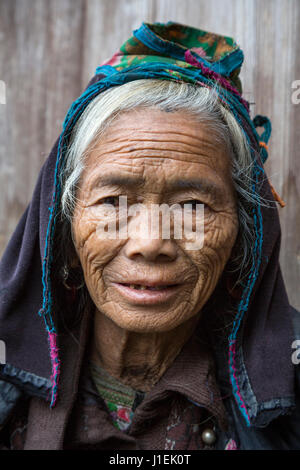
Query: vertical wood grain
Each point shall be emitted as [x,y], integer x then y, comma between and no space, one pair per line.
[277,66]
[40,62]
[107,25]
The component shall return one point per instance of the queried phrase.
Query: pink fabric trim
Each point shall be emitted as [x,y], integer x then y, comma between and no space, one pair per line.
[232,367]
[55,365]
[211,74]
[231,445]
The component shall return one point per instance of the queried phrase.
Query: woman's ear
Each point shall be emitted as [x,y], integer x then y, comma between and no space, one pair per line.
[72,258]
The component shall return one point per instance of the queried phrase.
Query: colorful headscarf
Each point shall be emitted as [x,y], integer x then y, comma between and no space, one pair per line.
[176,52]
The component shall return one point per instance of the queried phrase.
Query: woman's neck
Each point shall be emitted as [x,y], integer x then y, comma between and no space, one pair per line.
[137,359]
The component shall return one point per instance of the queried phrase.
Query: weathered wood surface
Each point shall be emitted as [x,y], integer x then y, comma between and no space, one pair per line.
[49,49]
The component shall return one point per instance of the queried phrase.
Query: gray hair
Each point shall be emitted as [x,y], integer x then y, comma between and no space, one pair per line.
[169,96]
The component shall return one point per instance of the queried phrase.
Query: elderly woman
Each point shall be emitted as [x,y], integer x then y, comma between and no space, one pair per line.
[177,336]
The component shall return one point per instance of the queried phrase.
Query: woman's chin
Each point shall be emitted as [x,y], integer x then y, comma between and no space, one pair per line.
[147,319]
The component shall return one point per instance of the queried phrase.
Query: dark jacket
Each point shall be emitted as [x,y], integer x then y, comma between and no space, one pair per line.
[193,395]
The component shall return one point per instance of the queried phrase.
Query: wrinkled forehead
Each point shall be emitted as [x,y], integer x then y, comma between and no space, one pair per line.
[151,146]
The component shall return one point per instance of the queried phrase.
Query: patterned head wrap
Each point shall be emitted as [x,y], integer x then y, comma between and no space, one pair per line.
[181,53]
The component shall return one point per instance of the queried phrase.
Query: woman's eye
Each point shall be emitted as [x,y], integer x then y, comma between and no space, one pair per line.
[192,202]
[113,200]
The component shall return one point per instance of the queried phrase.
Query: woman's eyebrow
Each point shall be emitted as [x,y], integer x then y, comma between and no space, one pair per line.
[200,184]
[118,180]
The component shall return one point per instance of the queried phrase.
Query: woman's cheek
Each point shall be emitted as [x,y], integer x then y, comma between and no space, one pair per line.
[220,235]
[220,231]
[92,248]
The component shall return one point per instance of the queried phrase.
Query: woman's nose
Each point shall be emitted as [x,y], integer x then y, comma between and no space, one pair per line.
[151,249]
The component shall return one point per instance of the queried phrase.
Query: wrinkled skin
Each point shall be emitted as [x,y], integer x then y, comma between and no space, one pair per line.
[137,343]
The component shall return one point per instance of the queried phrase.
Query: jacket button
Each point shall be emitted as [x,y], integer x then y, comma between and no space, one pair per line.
[208,436]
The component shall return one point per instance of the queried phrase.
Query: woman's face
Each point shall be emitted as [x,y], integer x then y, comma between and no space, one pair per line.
[154,158]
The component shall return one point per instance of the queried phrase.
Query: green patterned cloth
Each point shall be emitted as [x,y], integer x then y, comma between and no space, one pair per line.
[180,45]
[119,398]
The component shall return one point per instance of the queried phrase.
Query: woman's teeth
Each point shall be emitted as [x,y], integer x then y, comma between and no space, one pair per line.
[139,287]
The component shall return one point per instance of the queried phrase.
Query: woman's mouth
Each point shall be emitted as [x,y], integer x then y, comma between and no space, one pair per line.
[146,295]
[142,287]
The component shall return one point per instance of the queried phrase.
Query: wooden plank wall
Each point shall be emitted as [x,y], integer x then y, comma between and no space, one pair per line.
[50,48]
